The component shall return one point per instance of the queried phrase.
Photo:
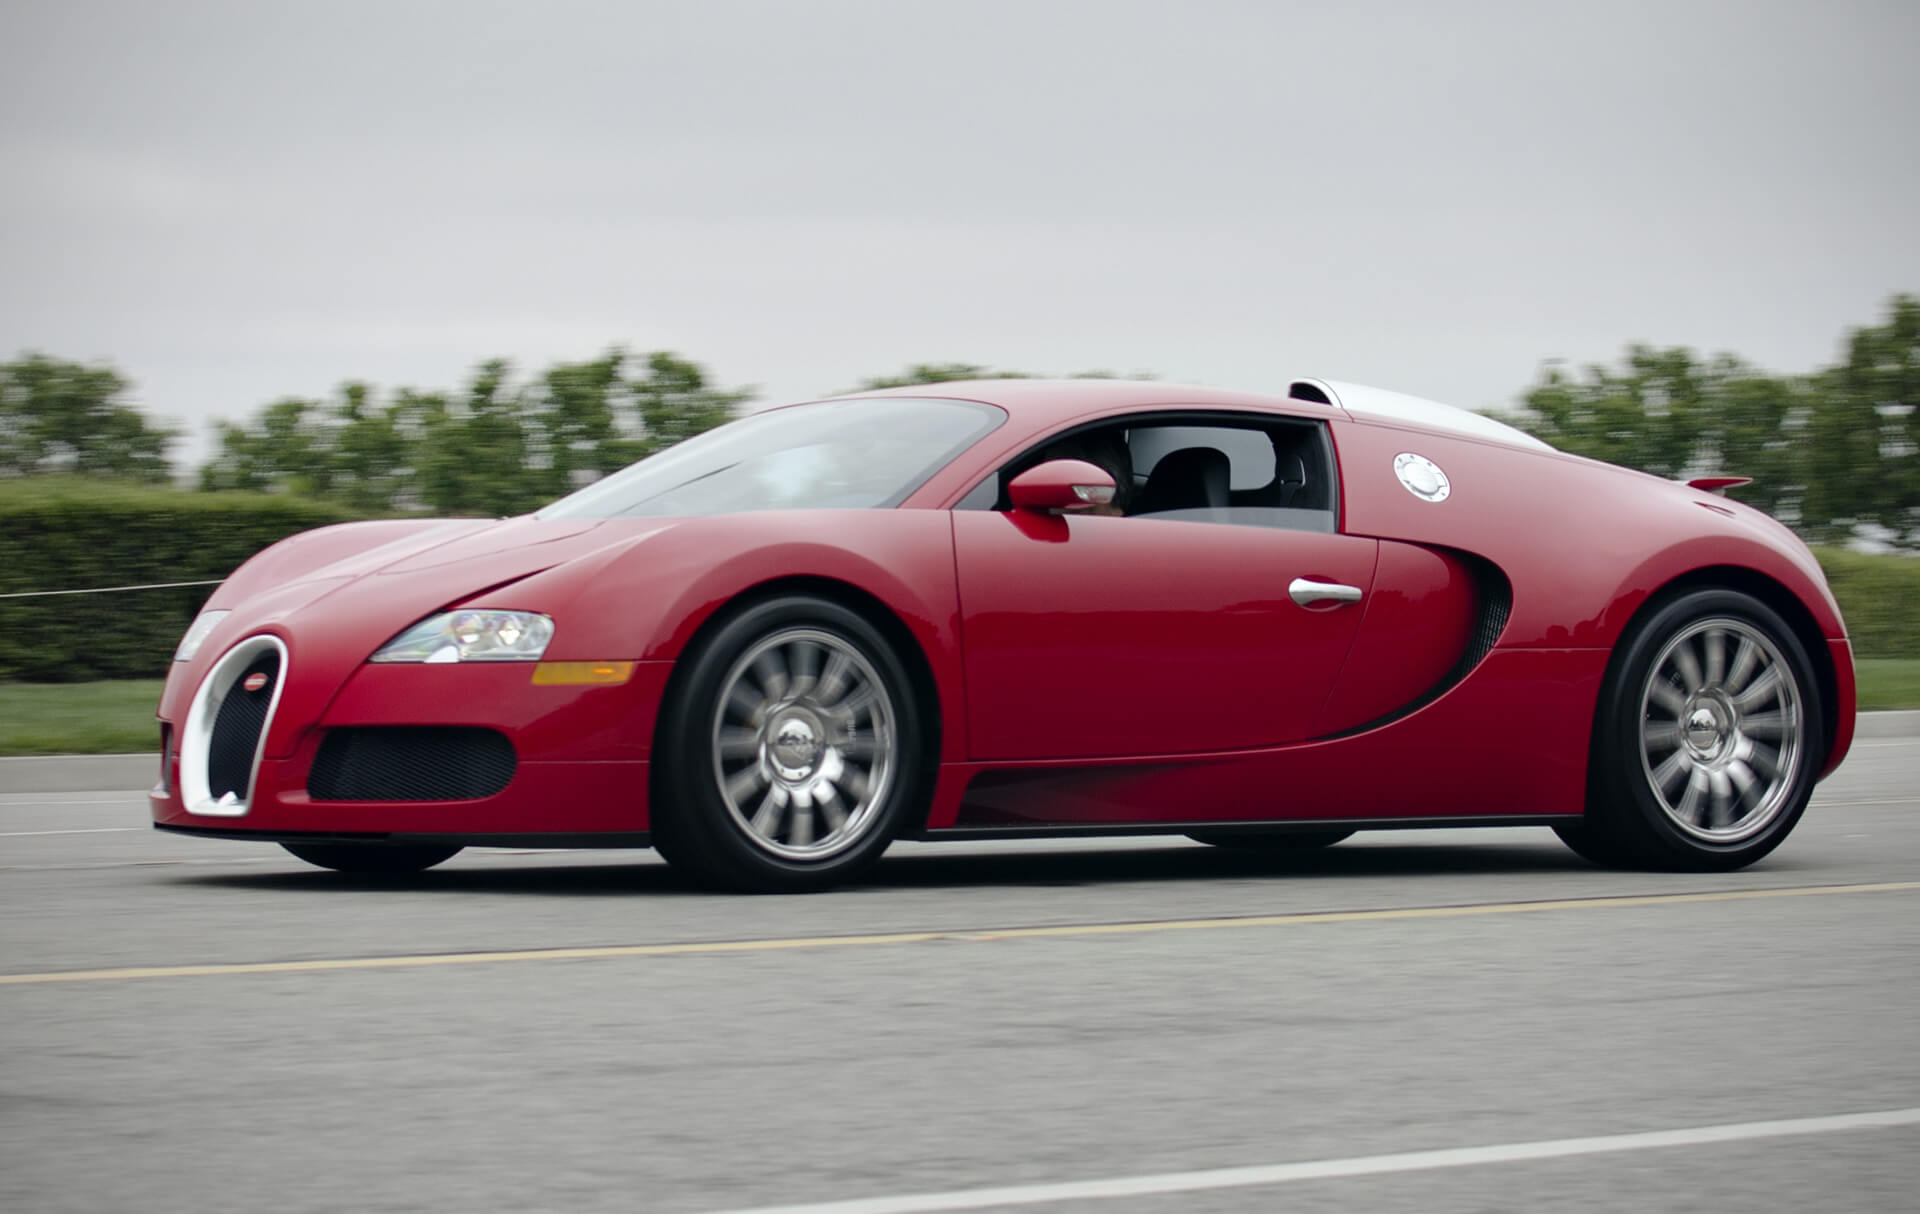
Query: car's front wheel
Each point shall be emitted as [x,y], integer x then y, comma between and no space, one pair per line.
[791,751]
[1708,738]
[373,859]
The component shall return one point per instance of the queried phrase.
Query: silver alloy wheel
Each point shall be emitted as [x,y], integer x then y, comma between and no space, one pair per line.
[803,744]
[1720,724]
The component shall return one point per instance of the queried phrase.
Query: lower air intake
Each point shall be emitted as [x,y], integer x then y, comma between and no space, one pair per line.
[411,763]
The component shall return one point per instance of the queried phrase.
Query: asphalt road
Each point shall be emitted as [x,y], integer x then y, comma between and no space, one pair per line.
[271,1037]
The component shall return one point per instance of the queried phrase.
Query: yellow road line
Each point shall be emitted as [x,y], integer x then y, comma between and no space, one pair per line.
[779,944]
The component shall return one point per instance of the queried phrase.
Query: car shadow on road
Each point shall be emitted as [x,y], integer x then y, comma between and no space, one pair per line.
[640,873]
[928,868]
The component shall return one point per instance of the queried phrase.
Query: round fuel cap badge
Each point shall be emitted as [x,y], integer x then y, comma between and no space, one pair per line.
[1422,477]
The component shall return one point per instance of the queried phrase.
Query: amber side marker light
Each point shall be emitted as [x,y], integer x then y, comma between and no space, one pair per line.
[570,674]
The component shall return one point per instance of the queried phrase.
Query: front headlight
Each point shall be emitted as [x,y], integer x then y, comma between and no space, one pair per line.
[471,636]
[197,633]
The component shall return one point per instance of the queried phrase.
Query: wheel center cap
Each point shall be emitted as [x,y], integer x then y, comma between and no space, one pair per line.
[1705,729]
[795,745]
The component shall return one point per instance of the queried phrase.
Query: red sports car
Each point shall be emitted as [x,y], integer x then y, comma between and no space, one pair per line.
[1022,608]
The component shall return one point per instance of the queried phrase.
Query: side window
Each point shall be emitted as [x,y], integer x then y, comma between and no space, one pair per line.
[1248,471]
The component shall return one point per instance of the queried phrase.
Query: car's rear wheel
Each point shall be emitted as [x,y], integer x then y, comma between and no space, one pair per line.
[1708,738]
[1271,840]
[373,859]
[792,749]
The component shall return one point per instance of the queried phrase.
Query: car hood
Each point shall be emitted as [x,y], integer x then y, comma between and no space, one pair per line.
[397,581]
[336,595]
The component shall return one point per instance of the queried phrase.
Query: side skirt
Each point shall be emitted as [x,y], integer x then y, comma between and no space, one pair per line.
[1055,830]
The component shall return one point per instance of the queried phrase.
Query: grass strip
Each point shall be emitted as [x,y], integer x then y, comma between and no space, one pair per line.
[105,718]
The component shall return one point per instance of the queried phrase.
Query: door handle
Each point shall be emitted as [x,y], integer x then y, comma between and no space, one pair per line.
[1309,593]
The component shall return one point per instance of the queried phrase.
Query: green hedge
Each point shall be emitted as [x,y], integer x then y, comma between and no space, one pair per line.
[73,533]
[1880,597]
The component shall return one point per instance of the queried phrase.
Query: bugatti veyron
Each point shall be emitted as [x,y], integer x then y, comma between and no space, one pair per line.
[1025,608]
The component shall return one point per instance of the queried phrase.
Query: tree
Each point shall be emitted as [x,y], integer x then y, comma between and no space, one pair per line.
[1864,447]
[1646,415]
[289,447]
[946,373]
[936,373]
[1831,453]
[500,448]
[471,456]
[58,416]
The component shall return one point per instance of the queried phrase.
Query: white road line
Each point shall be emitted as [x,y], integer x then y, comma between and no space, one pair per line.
[1363,1165]
[1882,801]
[135,799]
[85,830]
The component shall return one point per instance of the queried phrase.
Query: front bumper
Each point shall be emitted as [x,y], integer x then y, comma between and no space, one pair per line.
[582,758]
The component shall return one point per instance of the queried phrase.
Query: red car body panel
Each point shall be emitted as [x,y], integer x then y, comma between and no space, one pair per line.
[1083,672]
[1584,543]
[1427,766]
[1154,637]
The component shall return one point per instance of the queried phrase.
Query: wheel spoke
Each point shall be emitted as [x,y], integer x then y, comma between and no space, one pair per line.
[1759,691]
[1745,658]
[1715,645]
[1764,760]
[1677,764]
[801,832]
[766,819]
[833,679]
[771,670]
[1661,735]
[1764,725]
[736,743]
[803,663]
[831,809]
[1743,779]
[1691,679]
[745,782]
[1689,807]
[850,709]
[1721,787]
[744,705]
[1667,696]
[855,782]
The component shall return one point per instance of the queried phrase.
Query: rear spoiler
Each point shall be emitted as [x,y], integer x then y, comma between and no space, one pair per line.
[1718,484]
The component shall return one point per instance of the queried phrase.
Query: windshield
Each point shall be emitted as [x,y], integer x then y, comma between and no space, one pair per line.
[833,455]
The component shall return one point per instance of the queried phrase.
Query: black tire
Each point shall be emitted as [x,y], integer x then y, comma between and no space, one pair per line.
[374,859]
[1271,840]
[1707,740]
[808,788]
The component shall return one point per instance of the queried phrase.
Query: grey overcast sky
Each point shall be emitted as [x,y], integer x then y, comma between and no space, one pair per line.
[238,201]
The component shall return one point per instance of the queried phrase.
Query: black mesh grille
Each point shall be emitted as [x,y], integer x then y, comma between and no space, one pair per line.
[411,763]
[236,728]
[1496,603]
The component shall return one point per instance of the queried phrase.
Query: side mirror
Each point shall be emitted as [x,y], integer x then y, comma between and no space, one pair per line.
[1062,484]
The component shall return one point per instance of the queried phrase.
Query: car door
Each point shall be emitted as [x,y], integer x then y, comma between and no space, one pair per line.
[1176,633]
